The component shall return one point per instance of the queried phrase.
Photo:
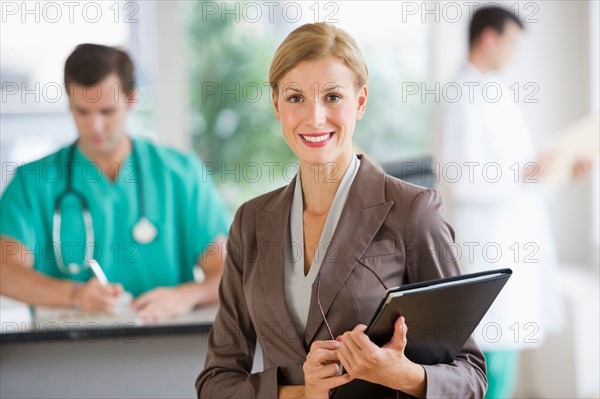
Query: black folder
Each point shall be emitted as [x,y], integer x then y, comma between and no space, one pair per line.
[440,316]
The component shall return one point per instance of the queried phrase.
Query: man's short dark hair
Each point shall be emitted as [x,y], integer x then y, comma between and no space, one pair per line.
[89,64]
[494,17]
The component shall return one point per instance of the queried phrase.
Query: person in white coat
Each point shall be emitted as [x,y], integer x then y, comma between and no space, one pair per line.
[490,182]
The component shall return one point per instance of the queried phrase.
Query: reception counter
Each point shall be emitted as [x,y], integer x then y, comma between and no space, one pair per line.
[58,356]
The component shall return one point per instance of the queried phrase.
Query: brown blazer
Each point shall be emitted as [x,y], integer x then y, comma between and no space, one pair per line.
[394,227]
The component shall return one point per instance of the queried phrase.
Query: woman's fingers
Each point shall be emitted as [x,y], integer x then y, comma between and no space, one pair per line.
[351,341]
[345,353]
[398,341]
[322,361]
[337,381]
[323,372]
[329,344]
[324,356]
[323,352]
[322,369]
[345,360]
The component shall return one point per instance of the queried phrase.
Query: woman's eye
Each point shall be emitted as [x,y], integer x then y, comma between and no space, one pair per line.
[294,99]
[333,98]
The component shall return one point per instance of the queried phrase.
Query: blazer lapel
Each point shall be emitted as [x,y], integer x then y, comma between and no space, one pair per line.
[272,237]
[361,218]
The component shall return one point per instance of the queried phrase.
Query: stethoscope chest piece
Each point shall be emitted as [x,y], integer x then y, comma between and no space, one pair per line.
[74,268]
[144,231]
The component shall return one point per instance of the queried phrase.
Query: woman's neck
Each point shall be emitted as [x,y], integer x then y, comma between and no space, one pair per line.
[320,182]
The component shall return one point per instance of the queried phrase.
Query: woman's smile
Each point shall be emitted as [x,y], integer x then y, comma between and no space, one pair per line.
[317,139]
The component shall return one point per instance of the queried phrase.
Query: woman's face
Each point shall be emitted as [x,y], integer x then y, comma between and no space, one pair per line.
[318,106]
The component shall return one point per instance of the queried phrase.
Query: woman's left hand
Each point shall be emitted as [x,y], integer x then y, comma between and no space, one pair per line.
[387,365]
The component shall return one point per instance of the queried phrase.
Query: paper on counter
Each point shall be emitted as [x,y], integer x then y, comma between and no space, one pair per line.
[15,316]
[122,314]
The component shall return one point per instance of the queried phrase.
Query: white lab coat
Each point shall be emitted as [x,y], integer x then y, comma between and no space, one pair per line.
[499,221]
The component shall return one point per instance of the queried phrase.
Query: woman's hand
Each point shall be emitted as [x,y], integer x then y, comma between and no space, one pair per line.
[322,370]
[387,365]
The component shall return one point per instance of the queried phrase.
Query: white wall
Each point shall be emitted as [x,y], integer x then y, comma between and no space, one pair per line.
[161,43]
[557,54]
[554,54]
[595,107]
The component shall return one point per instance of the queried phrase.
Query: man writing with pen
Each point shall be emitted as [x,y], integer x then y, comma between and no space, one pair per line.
[121,214]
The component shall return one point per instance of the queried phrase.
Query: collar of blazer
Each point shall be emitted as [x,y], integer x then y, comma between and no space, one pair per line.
[363,214]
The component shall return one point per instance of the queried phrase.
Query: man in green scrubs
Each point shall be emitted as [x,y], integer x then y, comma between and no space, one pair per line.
[122,180]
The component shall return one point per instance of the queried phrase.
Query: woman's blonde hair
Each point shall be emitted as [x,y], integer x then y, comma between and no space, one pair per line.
[313,42]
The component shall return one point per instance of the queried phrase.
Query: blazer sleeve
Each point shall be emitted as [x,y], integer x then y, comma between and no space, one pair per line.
[232,341]
[430,255]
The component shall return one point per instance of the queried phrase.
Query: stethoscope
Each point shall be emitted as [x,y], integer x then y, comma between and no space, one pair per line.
[143,232]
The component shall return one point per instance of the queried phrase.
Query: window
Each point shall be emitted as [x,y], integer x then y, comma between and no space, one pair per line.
[36,39]
[232,122]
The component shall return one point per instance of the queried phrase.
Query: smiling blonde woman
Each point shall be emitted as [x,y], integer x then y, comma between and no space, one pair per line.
[307,264]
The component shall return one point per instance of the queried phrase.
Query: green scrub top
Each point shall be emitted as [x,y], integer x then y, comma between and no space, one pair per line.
[180,200]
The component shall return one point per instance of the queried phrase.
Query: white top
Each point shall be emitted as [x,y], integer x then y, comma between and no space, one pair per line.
[499,220]
[298,287]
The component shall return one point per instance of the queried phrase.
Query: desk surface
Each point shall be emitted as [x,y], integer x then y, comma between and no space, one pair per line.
[19,325]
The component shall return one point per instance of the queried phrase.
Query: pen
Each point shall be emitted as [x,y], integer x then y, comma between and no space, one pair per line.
[98,272]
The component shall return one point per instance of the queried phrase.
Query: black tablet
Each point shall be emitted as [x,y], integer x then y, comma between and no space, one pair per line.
[440,316]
